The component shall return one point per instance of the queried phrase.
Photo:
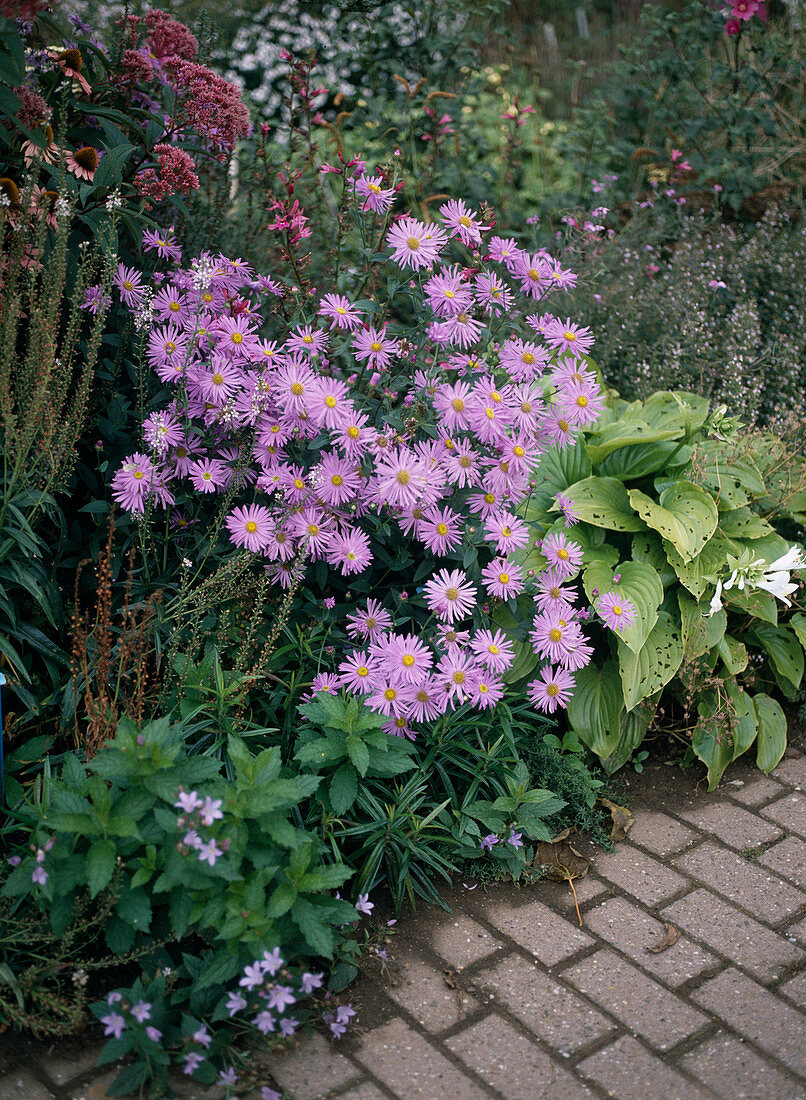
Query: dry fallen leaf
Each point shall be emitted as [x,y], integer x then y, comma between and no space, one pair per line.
[669,938]
[451,977]
[562,860]
[623,820]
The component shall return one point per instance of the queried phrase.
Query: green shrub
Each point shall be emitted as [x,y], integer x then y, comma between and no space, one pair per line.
[682,302]
[671,502]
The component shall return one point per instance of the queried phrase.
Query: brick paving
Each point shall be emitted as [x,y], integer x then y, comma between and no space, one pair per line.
[505,997]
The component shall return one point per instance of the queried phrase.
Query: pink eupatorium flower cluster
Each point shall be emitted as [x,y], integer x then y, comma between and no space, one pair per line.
[174,175]
[305,426]
[211,105]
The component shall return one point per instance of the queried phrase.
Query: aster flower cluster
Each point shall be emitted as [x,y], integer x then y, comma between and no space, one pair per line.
[346,420]
[198,813]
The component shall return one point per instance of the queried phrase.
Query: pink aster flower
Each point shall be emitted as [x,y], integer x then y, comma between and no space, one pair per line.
[450,595]
[387,698]
[461,328]
[340,312]
[358,672]
[552,596]
[328,403]
[617,612]
[377,198]
[486,690]
[503,251]
[447,292]
[336,479]
[502,579]
[306,340]
[461,222]
[564,556]
[208,475]
[533,272]
[507,531]
[551,689]
[581,402]
[374,348]
[452,404]
[372,621]
[457,674]
[568,337]
[556,429]
[425,701]
[401,478]
[133,481]
[127,280]
[492,294]
[250,527]
[440,530]
[350,551]
[404,659]
[414,244]
[523,360]
[554,637]
[313,525]
[493,649]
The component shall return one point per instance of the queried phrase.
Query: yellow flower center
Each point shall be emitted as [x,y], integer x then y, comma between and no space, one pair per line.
[307,339]
[457,404]
[534,274]
[313,529]
[452,594]
[582,401]
[297,388]
[218,379]
[251,527]
[237,337]
[299,483]
[555,634]
[138,474]
[493,649]
[413,243]
[362,671]
[458,676]
[341,310]
[519,452]
[374,187]
[337,480]
[552,690]
[207,297]
[442,529]
[371,624]
[170,347]
[465,221]
[353,432]
[562,554]
[503,579]
[376,345]
[563,425]
[527,358]
[489,498]
[390,694]
[506,532]
[408,660]
[128,286]
[618,610]
[465,462]
[570,336]
[330,401]
[403,477]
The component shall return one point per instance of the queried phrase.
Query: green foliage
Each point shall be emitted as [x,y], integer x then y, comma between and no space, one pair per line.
[112,832]
[681,505]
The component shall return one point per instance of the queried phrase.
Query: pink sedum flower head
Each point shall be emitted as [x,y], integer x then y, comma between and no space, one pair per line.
[617,612]
[450,595]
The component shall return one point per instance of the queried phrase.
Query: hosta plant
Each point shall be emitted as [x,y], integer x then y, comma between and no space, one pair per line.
[680,514]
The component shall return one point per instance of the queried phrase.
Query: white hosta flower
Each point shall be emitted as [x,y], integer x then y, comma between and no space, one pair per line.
[779,585]
[751,572]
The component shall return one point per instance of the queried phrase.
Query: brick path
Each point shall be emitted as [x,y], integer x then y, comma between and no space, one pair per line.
[537,1008]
